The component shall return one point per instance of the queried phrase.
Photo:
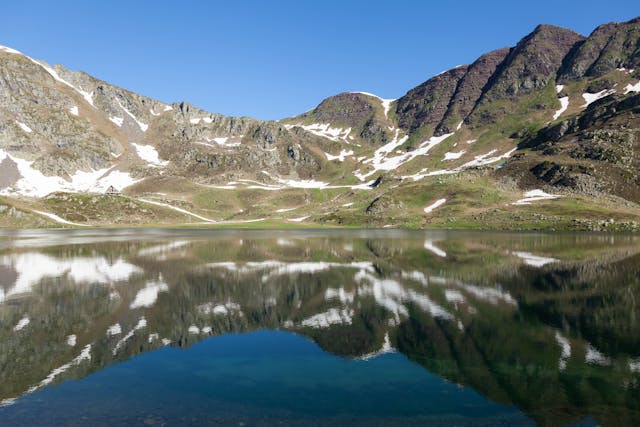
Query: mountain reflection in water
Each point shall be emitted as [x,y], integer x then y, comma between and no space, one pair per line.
[543,323]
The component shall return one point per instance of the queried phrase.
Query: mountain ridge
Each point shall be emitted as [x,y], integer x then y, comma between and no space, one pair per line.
[65,131]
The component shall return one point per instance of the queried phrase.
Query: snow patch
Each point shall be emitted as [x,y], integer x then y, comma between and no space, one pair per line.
[9,50]
[149,154]
[340,294]
[220,309]
[117,120]
[85,354]
[385,349]
[480,160]
[453,156]
[534,260]
[333,316]
[564,104]
[559,88]
[428,245]
[148,296]
[453,296]
[197,120]
[491,295]
[162,249]
[175,208]
[434,205]
[340,157]
[33,267]
[565,350]
[22,323]
[35,184]
[142,323]
[391,295]
[300,219]
[594,357]
[380,161]
[325,130]
[417,276]
[114,329]
[386,103]
[632,88]
[534,196]
[72,340]
[24,127]
[58,219]
[74,110]
[593,97]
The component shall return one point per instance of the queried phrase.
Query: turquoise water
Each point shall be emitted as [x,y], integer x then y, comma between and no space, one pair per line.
[263,327]
[265,378]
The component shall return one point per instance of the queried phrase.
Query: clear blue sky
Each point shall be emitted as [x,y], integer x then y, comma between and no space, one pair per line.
[276,58]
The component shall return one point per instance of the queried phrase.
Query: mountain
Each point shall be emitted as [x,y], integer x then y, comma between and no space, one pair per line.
[542,135]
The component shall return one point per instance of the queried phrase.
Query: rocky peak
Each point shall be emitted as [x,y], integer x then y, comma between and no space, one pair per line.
[348,109]
[531,63]
[427,104]
[610,46]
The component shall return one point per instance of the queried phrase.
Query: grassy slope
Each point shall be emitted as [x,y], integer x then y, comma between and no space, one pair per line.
[475,199]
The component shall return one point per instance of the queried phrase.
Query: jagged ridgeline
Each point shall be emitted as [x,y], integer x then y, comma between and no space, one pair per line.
[537,136]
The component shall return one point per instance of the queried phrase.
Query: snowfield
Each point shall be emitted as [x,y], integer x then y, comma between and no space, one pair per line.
[593,97]
[434,205]
[535,196]
[33,183]
[325,130]
[149,154]
[564,104]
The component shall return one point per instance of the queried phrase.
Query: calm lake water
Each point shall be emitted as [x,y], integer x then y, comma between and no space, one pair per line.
[207,327]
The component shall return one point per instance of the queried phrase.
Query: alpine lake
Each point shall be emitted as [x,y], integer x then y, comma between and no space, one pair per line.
[318,327]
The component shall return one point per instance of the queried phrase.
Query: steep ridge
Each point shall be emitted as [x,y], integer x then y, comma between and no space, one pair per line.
[427,104]
[470,88]
[609,46]
[531,64]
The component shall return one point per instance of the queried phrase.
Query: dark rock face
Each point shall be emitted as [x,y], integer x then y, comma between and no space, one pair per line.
[532,63]
[427,104]
[381,205]
[502,75]
[376,132]
[470,88]
[609,46]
